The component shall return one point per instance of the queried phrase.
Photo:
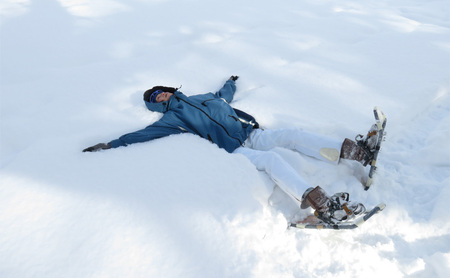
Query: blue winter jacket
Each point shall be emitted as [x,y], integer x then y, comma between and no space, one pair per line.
[208,115]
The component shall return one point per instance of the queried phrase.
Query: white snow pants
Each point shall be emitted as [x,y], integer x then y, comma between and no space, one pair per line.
[258,148]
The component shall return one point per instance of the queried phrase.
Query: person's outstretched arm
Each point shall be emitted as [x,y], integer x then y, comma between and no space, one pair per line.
[228,89]
[154,131]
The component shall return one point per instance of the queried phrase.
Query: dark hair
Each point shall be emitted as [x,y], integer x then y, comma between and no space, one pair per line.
[149,92]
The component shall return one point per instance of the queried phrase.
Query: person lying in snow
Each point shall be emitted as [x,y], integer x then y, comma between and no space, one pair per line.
[211,117]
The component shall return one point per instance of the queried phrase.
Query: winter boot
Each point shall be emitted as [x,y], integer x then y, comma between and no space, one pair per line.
[316,198]
[362,150]
[332,209]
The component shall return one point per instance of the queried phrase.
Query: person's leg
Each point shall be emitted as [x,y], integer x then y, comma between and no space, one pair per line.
[278,170]
[329,208]
[314,145]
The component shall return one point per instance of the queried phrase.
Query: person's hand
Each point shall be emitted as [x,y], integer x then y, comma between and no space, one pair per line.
[98,147]
[234,77]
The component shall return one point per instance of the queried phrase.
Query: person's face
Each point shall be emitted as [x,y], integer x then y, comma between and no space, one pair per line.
[163,96]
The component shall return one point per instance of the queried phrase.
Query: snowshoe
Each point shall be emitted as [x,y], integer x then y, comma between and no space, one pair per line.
[368,143]
[312,222]
[332,209]
[381,121]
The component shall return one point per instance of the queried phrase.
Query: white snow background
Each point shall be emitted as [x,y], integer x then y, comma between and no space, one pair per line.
[73,73]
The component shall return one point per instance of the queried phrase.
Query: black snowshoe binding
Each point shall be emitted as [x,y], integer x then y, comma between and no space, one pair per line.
[331,210]
[368,143]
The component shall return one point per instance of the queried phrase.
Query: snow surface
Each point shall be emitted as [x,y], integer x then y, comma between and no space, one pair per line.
[73,73]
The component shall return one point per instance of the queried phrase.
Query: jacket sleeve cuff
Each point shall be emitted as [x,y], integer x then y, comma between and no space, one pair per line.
[116,143]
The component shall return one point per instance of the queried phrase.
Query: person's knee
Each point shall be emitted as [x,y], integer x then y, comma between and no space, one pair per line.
[272,158]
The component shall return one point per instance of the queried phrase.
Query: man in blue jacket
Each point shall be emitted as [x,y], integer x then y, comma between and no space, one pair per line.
[211,117]
[208,115]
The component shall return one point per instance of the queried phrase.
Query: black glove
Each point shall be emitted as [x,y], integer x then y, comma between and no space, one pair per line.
[234,77]
[98,147]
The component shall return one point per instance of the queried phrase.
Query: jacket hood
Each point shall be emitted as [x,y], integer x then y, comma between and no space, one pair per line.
[161,107]
[158,107]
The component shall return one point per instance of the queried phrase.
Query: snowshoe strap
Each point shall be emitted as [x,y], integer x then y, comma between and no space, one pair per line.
[362,142]
[348,211]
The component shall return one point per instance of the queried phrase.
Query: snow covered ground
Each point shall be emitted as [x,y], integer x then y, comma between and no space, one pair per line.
[73,73]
